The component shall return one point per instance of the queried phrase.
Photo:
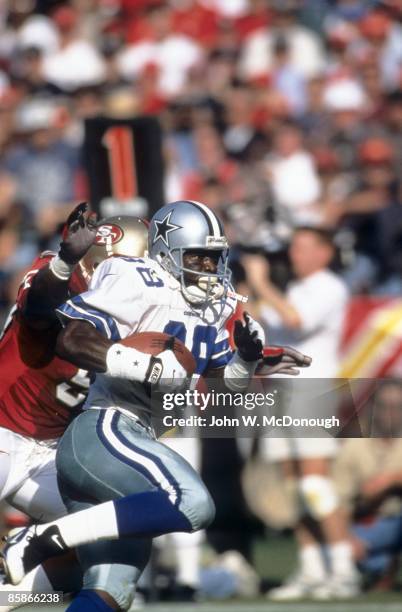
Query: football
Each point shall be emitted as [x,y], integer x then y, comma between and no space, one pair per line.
[154,343]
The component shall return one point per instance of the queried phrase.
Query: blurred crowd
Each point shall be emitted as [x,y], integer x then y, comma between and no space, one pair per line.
[278,114]
[275,112]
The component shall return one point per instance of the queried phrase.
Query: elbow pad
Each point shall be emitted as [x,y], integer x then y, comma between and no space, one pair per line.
[238,373]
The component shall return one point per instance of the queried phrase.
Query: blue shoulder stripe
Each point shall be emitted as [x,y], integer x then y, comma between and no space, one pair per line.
[77,308]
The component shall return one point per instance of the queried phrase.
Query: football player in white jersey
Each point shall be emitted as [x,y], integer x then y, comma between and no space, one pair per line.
[109,454]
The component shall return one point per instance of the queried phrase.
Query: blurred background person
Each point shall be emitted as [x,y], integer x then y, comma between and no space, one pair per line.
[368,476]
[304,45]
[44,167]
[290,159]
[309,316]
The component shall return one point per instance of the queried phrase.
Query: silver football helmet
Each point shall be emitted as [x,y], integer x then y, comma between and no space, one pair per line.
[182,226]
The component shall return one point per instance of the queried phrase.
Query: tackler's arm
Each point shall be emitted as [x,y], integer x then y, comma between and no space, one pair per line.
[49,286]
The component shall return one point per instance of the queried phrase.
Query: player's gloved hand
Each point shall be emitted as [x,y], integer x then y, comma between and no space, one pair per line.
[165,371]
[283,360]
[78,234]
[249,338]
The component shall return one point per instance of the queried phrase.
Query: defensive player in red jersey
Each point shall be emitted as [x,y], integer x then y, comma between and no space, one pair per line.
[32,379]
[40,393]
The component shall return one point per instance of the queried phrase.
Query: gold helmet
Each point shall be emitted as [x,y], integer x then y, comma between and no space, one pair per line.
[122,235]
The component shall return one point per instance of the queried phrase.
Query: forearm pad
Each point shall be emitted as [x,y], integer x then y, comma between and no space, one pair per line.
[125,362]
[238,373]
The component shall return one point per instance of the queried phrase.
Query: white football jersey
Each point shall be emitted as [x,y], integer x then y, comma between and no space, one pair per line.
[133,295]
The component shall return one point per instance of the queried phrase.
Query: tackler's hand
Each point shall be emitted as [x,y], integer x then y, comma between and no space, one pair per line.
[78,234]
[249,338]
[283,360]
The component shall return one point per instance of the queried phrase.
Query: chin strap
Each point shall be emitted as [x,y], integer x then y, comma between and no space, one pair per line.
[197,294]
[194,294]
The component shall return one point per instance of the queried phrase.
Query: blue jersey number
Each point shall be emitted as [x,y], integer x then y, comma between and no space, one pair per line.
[150,278]
[203,341]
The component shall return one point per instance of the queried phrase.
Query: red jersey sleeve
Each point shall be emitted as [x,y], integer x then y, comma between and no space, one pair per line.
[40,262]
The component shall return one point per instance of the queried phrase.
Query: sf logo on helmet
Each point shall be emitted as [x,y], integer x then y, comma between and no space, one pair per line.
[108,234]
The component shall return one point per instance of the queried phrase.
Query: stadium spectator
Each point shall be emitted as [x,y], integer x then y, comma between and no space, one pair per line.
[290,158]
[372,211]
[241,139]
[306,52]
[16,246]
[369,480]
[287,79]
[173,53]
[255,18]
[310,314]
[227,8]
[43,166]
[28,71]
[384,37]
[346,102]
[196,21]
[77,62]
[393,123]
[26,30]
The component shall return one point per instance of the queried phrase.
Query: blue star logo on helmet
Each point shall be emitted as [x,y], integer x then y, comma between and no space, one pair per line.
[163,229]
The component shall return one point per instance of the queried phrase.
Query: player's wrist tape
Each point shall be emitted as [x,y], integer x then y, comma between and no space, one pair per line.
[238,373]
[126,362]
[61,269]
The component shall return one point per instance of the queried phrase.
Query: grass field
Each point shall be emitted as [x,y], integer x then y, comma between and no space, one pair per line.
[262,606]
[267,607]
[274,559]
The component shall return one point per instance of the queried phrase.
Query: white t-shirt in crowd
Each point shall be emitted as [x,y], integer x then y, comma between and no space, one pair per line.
[320,300]
[306,52]
[174,56]
[75,65]
[299,192]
